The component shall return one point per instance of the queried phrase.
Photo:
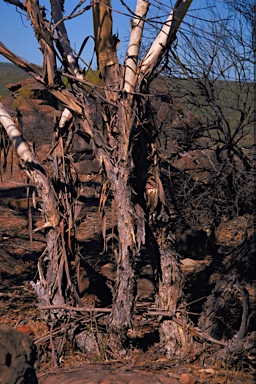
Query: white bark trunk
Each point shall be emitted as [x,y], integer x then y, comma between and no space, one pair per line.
[41,182]
[15,136]
[166,34]
[134,45]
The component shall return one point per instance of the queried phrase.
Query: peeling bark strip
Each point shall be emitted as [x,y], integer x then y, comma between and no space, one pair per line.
[45,40]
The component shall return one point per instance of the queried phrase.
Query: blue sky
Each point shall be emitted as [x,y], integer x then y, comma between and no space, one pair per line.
[16,32]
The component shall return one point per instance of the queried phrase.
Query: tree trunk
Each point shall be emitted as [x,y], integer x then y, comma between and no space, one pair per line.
[118,167]
[174,336]
[45,191]
[54,263]
[122,124]
[118,175]
[122,309]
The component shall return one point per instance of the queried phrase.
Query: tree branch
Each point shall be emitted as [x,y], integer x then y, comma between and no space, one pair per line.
[164,38]
[17,3]
[63,39]
[41,29]
[32,69]
[134,45]
[104,44]
[33,168]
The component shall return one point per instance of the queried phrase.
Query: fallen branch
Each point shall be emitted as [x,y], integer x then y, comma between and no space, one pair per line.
[76,309]
[194,330]
[16,296]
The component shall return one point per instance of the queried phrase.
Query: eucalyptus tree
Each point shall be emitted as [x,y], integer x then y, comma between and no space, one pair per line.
[123,142]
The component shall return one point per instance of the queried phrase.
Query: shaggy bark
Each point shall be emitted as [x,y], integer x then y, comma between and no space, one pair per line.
[175,338]
[45,40]
[117,172]
[113,140]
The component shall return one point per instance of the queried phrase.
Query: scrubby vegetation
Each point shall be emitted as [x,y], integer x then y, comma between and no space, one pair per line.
[10,73]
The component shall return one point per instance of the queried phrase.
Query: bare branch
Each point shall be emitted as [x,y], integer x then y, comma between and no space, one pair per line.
[33,169]
[165,37]
[32,69]
[17,3]
[63,39]
[71,16]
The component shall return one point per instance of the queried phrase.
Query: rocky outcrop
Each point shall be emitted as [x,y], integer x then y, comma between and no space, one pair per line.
[32,89]
[18,357]
[106,374]
[35,109]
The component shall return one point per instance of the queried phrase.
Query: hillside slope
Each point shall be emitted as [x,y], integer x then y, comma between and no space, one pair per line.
[10,73]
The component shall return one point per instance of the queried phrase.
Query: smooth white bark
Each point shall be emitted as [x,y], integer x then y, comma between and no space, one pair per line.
[65,116]
[15,135]
[41,182]
[166,34]
[134,45]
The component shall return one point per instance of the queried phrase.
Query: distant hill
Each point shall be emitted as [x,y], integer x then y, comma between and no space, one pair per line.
[182,93]
[10,73]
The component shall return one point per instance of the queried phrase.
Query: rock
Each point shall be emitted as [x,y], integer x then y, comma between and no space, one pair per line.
[86,167]
[42,151]
[100,374]
[186,378]
[8,262]
[194,266]
[87,342]
[18,357]
[109,271]
[145,289]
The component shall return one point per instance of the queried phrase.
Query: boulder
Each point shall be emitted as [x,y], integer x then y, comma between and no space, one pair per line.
[18,357]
